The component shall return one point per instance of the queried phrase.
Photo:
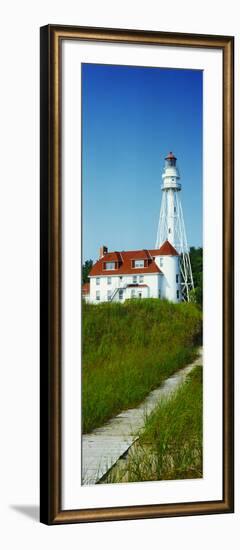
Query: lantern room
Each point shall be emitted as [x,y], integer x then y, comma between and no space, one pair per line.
[170,174]
[170,160]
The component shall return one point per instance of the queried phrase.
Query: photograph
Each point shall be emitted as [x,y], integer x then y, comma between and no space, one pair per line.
[142,274]
[136,274]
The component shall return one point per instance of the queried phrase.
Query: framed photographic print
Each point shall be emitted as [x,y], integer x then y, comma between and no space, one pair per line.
[136,274]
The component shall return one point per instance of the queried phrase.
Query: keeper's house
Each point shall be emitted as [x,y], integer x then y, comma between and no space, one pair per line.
[118,276]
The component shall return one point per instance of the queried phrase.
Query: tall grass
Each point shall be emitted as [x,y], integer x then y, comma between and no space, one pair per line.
[129,349]
[174,434]
[170,446]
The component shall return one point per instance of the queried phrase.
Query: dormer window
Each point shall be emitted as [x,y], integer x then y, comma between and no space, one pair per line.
[109,266]
[138,263]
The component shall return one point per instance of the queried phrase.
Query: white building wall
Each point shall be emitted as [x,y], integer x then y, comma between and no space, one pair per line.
[171,280]
[139,292]
[114,282]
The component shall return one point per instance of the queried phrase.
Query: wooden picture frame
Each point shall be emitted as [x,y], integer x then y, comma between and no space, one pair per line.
[51,38]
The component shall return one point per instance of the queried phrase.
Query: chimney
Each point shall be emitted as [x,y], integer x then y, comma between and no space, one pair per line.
[103,250]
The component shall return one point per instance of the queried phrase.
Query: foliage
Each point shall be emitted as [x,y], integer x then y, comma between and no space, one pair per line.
[129,349]
[196,258]
[86,268]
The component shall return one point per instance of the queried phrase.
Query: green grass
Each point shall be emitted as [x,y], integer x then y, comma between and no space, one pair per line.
[129,349]
[170,447]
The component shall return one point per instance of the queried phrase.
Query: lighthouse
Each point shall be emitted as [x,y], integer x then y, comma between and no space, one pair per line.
[171,225]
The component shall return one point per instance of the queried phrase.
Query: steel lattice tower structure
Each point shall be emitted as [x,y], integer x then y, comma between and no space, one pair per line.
[171,225]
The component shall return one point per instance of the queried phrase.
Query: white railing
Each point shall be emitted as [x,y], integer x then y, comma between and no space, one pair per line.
[117,290]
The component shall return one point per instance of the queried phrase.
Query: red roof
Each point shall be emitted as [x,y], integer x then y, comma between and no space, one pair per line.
[167,249]
[124,261]
[112,257]
[125,266]
[86,288]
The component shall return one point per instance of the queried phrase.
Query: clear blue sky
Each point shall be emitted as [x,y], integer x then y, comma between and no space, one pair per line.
[131,118]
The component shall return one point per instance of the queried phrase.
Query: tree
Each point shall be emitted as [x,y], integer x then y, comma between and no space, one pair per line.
[196,258]
[86,268]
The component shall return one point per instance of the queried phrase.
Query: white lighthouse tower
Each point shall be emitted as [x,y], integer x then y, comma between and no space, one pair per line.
[171,225]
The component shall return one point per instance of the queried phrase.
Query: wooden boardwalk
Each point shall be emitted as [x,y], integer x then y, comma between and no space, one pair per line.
[104,446]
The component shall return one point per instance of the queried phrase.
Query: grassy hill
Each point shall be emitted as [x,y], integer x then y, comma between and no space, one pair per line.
[129,349]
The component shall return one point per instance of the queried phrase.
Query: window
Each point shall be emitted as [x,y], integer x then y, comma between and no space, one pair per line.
[177,278]
[120,279]
[134,279]
[169,230]
[178,294]
[109,294]
[110,265]
[138,263]
[120,294]
[132,293]
[141,278]
[98,295]
[109,280]
[139,295]
[161,262]
[97,280]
